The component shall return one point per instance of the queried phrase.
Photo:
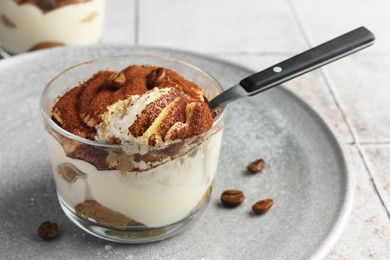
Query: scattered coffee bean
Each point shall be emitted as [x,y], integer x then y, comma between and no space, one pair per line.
[116,80]
[262,206]
[155,77]
[232,198]
[256,166]
[48,230]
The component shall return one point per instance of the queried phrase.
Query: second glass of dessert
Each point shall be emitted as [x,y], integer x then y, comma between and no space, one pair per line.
[27,25]
[133,144]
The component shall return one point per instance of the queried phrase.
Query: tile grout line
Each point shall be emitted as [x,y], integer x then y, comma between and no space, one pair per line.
[370,143]
[374,143]
[299,21]
[136,21]
[309,41]
[336,99]
[378,188]
[358,145]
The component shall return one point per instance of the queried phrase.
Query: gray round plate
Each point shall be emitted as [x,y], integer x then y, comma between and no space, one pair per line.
[306,173]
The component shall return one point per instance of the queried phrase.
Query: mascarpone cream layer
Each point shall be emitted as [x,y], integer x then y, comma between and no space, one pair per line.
[156,197]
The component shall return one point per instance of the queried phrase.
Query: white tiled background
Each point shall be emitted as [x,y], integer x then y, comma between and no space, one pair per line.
[352,95]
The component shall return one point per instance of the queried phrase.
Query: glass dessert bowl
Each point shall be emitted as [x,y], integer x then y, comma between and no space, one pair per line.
[27,25]
[142,168]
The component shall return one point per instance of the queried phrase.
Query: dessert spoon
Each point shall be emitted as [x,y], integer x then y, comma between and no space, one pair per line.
[302,63]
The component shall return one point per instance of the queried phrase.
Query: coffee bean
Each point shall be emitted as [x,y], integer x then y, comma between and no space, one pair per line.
[256,166]
[116,80]
[155,77]
[48,230]
[262,206]
[232,198]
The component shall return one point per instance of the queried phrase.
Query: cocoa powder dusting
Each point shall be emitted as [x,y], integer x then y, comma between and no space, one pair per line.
[65,114]
[79,110]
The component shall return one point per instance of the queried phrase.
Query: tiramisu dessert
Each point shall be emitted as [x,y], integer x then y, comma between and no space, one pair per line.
[150,148]
[27,25]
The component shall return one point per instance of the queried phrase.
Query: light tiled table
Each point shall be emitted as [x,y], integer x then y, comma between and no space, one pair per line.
[352,95]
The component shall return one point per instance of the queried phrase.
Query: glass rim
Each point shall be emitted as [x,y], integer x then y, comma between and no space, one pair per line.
[63,132]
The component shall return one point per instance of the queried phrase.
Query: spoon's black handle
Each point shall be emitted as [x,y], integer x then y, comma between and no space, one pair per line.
[314,58]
